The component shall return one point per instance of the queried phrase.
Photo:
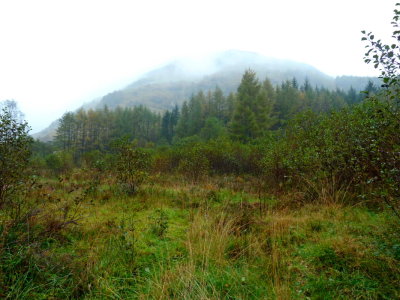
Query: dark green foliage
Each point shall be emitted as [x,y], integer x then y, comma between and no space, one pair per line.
[14,154]
[288,101]
[225,156]
[196,113]
[213,128]
[168,124]
[131,165]
[66,131]
[356,148]
[244,124]
[265,104]
[94,130]
[352,97]
[250,113]
[42,149]
[314,138]
[218,106]
[60,162]
[183,122]
[193,163]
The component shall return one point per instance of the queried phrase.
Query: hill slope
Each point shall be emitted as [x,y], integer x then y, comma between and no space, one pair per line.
[172,84]
[175,82]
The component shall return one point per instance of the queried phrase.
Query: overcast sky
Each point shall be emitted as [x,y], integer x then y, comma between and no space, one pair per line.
[55,55]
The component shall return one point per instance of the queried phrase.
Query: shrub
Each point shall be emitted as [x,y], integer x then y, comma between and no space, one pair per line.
[131,165]
[14,154]
[357,148]
[60,162]
[194,164]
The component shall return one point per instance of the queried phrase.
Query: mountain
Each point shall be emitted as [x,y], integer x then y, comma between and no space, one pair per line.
[162,88]
[175,82]
[47,134]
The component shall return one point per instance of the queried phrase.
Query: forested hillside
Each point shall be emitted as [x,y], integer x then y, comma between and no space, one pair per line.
[252,112]
[172,84]
[164,88]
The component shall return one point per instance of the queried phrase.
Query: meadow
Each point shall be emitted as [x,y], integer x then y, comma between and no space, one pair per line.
[217,238]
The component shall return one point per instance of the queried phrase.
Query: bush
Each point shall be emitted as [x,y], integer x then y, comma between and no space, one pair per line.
[60,162]
[194,164]
[356,148]
[14,154]
[131,165]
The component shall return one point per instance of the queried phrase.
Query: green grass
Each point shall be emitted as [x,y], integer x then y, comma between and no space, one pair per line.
[184,241]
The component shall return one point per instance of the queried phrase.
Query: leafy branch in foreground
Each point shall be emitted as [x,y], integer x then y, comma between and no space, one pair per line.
[385,57]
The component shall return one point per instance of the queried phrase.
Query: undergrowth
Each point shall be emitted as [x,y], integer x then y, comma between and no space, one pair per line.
[203,241]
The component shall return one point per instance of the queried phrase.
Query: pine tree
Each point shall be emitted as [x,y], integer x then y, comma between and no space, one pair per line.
[183,122]
[66,131]
[264,109]
[244,122]
[174,121]
[352,97]
[197,106]
[288,101]
[166,126]
[370,89]
[230,107]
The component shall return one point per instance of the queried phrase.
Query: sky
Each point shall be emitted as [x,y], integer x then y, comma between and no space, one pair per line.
[56,55]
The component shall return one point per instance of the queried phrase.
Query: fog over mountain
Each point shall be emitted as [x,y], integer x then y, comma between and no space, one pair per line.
[172,84]
[163,88]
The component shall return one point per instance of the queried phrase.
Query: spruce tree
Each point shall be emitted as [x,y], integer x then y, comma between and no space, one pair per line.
[183,122]
[165,126]
[244,122]
[265,102]
[196,113]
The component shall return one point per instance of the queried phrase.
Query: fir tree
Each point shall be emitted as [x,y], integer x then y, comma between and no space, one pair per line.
[244,122]
[183,122]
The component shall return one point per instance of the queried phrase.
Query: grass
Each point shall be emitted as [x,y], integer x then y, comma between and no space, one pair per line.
[177,240]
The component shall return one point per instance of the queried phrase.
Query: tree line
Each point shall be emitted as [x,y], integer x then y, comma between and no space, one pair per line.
[255,109]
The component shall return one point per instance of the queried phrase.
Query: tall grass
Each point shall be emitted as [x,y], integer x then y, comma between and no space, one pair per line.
[203,241]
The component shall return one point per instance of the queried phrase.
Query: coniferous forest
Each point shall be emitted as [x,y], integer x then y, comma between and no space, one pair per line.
[286,191]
